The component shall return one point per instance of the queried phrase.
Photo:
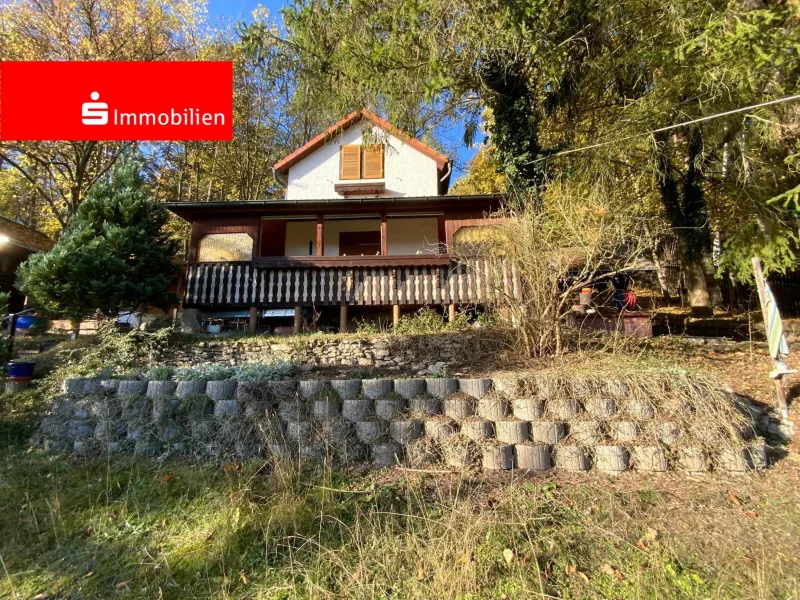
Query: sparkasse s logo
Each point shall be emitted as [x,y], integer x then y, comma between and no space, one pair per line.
[95,113]
[137,101]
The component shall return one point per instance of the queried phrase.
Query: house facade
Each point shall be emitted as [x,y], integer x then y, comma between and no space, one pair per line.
[365,228]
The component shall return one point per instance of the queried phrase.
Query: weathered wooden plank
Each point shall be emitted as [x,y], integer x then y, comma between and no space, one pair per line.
[187,292]
[204,285]
[349,295]
[517,283]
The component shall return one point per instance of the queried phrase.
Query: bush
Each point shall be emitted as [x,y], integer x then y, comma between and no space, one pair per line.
[576,236]
[205,372]
[426,320]
[161,373]
[264,371]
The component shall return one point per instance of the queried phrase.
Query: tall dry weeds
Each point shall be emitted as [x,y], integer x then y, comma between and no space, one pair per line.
[578,236]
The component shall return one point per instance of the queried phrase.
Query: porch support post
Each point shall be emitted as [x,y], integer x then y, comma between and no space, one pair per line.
[343,318]
[253,319]
[297,316]
[384,238]
[451,313]
[320,237]
[395,315]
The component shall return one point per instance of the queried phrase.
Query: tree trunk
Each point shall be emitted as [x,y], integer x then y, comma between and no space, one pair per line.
[685,207]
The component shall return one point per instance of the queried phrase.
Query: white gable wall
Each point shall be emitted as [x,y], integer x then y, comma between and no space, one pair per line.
[407,171]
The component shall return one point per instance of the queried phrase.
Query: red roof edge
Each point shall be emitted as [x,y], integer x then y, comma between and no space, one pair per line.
[317,142]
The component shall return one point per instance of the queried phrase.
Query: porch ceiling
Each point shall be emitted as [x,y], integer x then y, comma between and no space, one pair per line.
[190,211]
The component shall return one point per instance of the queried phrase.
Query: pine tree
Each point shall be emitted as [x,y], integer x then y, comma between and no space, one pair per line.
[114,254]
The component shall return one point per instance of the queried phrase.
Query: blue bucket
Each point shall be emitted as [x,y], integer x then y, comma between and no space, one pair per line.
[31,323]
[18,370]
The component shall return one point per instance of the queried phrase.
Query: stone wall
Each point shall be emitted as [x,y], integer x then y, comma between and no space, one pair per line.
[390,352]
[533,424]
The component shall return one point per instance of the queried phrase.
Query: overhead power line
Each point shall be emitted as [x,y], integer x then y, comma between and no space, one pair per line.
[668,127]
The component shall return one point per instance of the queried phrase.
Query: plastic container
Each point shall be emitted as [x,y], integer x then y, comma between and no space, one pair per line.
[31,323]
[20,371]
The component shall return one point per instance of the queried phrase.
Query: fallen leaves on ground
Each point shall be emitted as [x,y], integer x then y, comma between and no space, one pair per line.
[613,572]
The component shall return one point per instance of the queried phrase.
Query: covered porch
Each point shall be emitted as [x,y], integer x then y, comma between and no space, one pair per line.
[369,252]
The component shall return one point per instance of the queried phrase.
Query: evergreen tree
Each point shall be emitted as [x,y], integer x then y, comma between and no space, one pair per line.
[114,254]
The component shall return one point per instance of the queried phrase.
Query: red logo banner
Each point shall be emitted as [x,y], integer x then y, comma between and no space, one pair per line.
[146,101]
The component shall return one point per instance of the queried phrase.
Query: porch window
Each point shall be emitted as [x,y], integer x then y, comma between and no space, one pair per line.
[361,161]
[225,247]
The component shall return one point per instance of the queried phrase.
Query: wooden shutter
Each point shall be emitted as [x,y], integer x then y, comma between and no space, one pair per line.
[350,162]
[373,161]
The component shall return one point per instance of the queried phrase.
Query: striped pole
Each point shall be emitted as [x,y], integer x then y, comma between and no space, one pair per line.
[778,347]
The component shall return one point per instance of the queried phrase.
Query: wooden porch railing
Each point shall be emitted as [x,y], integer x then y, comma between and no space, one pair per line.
[243,284]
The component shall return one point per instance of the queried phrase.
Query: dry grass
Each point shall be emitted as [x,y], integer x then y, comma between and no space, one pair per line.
[90,529]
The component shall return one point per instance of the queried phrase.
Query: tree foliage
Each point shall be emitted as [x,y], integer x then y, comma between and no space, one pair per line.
[60,173]
[482,176]
[560,76]
[114,254]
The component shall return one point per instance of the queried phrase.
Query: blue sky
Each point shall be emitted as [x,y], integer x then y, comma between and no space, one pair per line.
[241,9]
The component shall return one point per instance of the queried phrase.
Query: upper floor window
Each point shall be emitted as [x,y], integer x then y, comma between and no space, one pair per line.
[361,161]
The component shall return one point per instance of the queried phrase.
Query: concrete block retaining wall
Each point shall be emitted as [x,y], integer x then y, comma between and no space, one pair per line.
[495,424]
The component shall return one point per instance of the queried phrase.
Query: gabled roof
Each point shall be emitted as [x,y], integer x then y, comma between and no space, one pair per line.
[24,236]
[353,118]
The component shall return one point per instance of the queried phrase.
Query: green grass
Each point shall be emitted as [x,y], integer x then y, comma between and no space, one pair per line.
[80,528]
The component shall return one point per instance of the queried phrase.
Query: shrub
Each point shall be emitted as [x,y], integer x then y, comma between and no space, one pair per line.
[577,235]
[426,320]
[161,373]
[263,371]
[205,372]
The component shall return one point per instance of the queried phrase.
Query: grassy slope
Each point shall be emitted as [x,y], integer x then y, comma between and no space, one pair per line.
[98,529]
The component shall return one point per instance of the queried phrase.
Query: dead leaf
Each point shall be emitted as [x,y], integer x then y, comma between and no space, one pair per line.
[609,570]
[233,467]
[357,574]
[749,559]
[508,554]
[166,477]
[751,514]
[583,576]
[42,596]
[122,584]
[640,545]
[526,559]
[650,534]
[242,577]
[570,569]
[734,499]
[420,571]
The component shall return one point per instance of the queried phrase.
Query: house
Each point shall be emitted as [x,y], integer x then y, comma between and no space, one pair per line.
[365,229]
[17,243]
